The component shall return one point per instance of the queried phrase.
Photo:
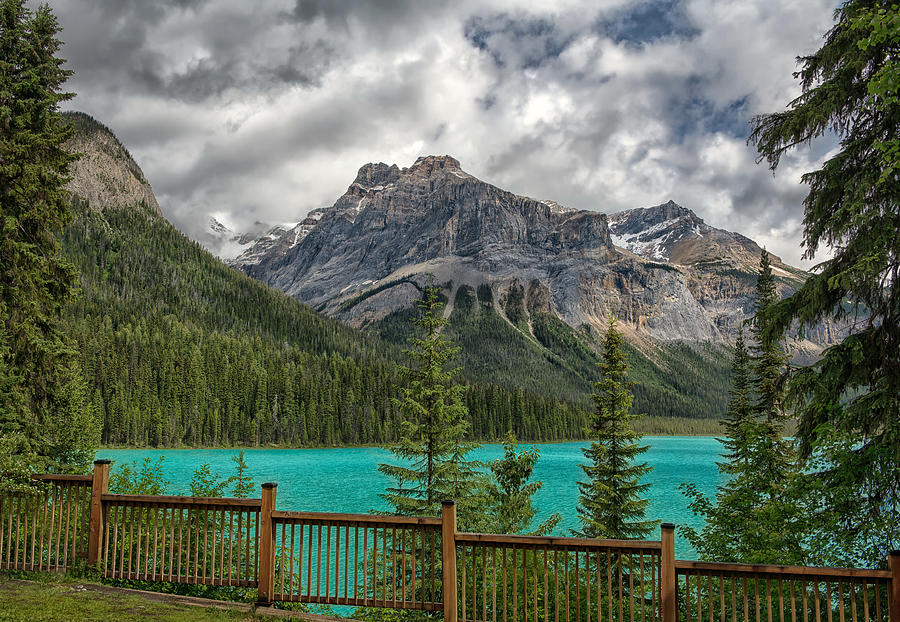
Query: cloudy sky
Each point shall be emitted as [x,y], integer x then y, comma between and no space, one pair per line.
[263,110]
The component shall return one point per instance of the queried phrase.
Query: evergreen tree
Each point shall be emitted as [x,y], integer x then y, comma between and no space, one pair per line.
[853,208]
[205,483]
[756,515]
[431,442]
[610,503]
[774,454]
[35,281]
[740,424]
[144,479]
[241,484]
[510,493]
[769,356]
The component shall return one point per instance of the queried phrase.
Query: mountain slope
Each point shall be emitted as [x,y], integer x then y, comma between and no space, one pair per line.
[179,349]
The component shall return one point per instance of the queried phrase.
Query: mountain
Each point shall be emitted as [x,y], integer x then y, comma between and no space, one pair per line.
[663,271]
[277,240]
[177,348]
[226,244]
[675,235]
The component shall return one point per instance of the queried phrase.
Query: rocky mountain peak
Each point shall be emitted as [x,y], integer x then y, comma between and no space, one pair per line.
[217,227]
[106,176]
[673,234]
[364,257]
[376,174]
[641,218]
[425,166]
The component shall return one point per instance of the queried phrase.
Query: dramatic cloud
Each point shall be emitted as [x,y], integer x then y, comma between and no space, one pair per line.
[259,112]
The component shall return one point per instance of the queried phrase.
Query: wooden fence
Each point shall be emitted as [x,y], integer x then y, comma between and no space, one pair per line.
[761,593]
[415,563]
[47,530]
[180,539]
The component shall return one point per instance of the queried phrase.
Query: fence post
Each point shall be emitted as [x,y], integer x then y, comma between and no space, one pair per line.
[266,547]
[667,573]
[99,487]
[448,559]
[894,565]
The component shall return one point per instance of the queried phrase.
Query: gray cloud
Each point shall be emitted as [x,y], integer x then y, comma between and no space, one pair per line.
[263,111]
[645,21]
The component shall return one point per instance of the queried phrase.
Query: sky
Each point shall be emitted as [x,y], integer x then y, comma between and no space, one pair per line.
[259,111]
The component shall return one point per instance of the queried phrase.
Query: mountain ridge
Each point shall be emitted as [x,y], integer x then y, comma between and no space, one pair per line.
[661,270]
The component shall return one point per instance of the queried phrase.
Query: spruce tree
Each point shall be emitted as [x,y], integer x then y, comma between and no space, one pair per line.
[36,283]
[755,515]
[852,392]
[775,456]
[739,424]
[432,441]
[610,502]
[509,494]
[241,483]
[769,356]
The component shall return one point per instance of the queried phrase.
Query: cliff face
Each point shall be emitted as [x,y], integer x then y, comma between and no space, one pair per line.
[106,175]
[661,270]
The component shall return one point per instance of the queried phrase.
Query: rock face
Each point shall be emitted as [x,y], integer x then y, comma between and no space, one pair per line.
[675,235]
[106,175]
[661,270]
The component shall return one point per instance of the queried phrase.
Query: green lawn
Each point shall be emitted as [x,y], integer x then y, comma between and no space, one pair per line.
[60,599]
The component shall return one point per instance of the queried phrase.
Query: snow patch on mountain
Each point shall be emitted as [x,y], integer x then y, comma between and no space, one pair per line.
[651,243]
[280,237]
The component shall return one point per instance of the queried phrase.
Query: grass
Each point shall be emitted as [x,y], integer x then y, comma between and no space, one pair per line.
[54,598]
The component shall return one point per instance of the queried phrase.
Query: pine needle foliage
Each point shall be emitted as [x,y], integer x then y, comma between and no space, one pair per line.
[432,441]
[610,502]
[775,455]
[739,423]
[849,91]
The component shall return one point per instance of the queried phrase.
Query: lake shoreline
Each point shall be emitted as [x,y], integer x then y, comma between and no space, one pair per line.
[498,441]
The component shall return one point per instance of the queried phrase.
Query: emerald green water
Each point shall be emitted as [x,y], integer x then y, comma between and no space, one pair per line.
[347,480]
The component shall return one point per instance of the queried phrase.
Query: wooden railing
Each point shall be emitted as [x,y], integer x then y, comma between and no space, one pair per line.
[760,593]
[46,529]
[545,578]
[415,563]
[357,559]
[212,541]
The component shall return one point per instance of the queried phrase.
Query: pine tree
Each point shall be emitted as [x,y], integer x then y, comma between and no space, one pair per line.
[35,282]
[775,456]
[610,503]
[740,424]
[509,494]
[756,515]
[769,355]
[434,427]
[852,392]
[241,484]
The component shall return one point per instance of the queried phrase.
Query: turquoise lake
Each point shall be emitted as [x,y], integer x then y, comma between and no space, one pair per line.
[347,480]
